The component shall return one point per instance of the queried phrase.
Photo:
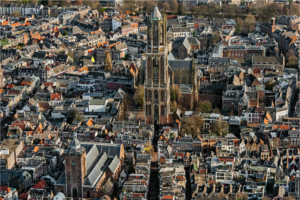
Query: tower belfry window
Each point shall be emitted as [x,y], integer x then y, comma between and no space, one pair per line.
[155,71]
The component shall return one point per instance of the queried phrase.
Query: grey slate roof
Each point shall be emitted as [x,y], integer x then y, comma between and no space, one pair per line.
[180,64]
[96,172]
[97,101]
[91,157]
[114,164]
[171,56]
[109,149]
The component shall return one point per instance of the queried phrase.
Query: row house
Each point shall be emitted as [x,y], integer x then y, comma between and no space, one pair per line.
[99,54]
[125,30]
[114,83]
[8,53]
[291,21]
[24,9]
[183,143]
[17,39]
[129,139]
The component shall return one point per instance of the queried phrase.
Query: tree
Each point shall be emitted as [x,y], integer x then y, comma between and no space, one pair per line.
[149,6]
[166,7]
[192,125]
[216,37]
[291,59]
[79,2]
[66,3]
[139,96]
[249,23]
[51,3]
[242,196]
[16,13]
[174,6]
[93,4]
[194,33]
[219,127]
[205,106]
[78,116]
[181,8]
[231,113]
[173,106]
[237,28]
[108,62]
[216,110]
[269,86]
[20,46]
[174,93]
[34,1]
[237,11]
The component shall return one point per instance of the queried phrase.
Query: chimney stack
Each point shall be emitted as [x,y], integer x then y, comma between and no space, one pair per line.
[273,21]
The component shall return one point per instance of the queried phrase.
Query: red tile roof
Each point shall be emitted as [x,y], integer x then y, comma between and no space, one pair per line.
[40,185]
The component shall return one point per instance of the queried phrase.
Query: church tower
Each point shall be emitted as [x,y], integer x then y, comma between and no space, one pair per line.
[76,170]
[157,84]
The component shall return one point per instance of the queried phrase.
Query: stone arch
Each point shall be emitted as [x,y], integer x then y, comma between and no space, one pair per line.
[162,110]
[155,33]
[155,65]
[75,192]
[149,69]
[161,70]
[155,96]
[161,34]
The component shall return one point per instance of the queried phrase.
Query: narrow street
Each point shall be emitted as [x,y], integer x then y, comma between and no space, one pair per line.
[154,184]
[293,103]
[188,192]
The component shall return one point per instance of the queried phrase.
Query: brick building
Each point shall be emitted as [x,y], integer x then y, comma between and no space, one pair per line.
[10,150]
[88,168]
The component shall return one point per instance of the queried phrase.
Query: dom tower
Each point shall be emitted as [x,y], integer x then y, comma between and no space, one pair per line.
[157,84]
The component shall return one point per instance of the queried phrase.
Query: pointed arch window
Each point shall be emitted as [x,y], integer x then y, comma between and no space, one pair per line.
[155,71]
[161,34]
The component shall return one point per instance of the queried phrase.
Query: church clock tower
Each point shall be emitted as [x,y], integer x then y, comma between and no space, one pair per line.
[157,84]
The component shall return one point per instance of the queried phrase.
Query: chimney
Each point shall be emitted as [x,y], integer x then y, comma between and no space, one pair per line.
[258,99]
[273,21]
[240,187]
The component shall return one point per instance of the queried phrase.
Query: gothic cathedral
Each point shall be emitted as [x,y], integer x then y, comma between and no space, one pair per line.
[157,83]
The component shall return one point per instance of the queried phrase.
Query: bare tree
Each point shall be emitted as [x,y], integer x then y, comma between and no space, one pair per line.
[174,6]
[108,62]
[149,6]
[66,3]
[16,13]
[166,7]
